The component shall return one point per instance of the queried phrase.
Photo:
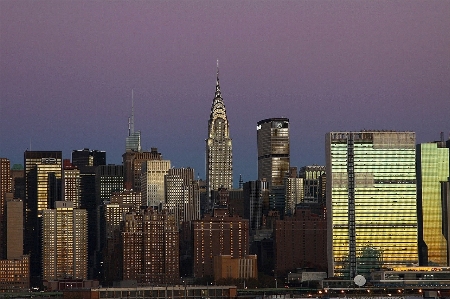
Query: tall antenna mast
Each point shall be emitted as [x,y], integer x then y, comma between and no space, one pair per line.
[132,112]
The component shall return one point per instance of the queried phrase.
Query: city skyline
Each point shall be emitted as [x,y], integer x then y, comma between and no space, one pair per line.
[68,71]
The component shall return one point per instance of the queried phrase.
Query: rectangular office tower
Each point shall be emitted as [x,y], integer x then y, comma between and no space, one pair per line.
[371,201]
[432,173]
[64,242]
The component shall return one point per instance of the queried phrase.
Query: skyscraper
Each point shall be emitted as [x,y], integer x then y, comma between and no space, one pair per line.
[274,159]
[133,140]
[152,182]
[273,150]
[71,184]
[371,201]
[5,187]
[219,158]
[432,171]
[64,242]
[87,157]
[42,171]
[182,195]
[132,167]
[87,161]
[220,234]
[255,193]
[150,242]
[15,269]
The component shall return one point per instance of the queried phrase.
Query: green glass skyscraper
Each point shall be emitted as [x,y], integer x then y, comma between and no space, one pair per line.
[371,201]
[432,172]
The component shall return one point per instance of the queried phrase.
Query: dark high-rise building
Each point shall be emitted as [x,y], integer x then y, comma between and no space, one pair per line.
[311,182]
[5,187]
[219,158]
[219,234]
[255,194]
[42,176]
[18,181]
[108,179]
[432,171]
[87,161]
[300,241]
[87,157]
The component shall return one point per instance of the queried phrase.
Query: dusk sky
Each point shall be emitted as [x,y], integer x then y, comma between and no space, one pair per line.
[67,69]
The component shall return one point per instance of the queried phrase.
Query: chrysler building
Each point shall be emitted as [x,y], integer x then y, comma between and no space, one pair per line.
[219,162]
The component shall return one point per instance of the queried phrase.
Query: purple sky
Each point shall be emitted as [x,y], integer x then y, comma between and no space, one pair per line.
[67,69]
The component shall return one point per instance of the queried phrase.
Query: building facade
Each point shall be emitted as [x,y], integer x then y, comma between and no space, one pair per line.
[64,242]
[274,159]
[226,267]
[152,181]
[273,150]
[5,187]
[219,158]
[371,201]
[182,194]
[71,184]
[87,157]
[432,170]
[300,241]
[294,194]
[132,167]
[42,171]
[219,234]
[256,193]
[150,242]
[311,176]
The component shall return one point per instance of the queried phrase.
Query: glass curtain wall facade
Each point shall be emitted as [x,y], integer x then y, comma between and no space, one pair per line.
[432,169]
[273,150]
[371,200]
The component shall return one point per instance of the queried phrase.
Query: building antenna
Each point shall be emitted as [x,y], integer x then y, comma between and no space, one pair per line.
[132,111]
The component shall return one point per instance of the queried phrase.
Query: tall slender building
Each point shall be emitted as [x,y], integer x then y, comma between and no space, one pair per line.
[5,187]
[182,196]
[133,141]
[273,150]
[371,201]
[219,158]
[42,172]
[274,159]
[432,170]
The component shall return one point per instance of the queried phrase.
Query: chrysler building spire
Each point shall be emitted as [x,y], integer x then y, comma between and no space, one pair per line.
[219,162]
[217,94]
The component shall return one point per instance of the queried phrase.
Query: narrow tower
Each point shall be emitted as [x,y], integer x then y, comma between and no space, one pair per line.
[219,163]
[133,141]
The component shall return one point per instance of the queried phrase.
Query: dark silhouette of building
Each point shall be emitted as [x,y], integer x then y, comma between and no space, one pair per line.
[87,161]
[300,241]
